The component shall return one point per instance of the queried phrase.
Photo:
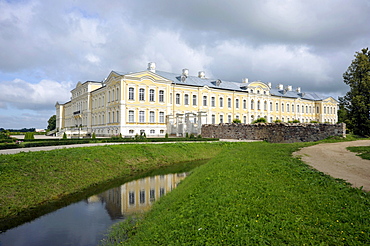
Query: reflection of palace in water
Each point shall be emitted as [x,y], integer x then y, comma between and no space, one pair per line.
[137,195]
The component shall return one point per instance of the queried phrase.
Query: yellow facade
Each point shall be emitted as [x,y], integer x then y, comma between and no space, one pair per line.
[150,101]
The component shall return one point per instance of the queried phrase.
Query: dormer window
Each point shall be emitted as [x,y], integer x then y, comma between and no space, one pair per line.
[258,92]
[251,90]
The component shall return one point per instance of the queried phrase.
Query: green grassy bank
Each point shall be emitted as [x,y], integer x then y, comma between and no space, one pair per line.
[254,194]
[29,180]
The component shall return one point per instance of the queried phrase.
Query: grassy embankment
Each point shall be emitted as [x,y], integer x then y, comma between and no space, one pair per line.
[28,180]
[363,151]
[254,194]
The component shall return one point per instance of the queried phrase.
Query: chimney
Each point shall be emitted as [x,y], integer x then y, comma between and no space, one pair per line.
[289,88]
[298,89]
[280,86]
[185,72]
[245,80]
[201,74]
[151,67]
[269,84]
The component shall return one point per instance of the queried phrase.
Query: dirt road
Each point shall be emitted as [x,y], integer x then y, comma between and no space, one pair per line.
[335,160]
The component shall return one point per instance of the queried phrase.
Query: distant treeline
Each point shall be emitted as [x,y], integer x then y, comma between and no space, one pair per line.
[19,130]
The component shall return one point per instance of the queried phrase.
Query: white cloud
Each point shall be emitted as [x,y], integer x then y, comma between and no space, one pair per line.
[43,95]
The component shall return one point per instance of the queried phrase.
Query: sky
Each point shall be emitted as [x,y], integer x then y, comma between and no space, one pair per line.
[46,47]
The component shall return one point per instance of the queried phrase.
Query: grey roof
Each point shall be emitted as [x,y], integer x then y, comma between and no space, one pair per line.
[196,81]
[234,86]
[294,94]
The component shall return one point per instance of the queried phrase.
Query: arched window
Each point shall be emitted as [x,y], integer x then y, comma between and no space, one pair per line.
[236,103]
[221,102]
[141,94]
[258,105]
[252,104]
[151,95]
[161,96]
[264,105]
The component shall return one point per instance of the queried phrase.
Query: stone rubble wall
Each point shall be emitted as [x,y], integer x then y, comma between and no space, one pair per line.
[274,132]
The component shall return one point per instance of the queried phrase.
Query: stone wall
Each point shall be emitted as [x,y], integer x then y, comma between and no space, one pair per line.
[274,132]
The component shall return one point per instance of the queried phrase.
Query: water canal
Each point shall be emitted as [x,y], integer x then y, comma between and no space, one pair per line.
[85,222]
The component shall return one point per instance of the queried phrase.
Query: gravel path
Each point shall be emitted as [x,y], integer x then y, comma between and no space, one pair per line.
[335,160]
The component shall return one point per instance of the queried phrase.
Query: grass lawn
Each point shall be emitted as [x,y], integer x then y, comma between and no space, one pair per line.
[29,180]
[253,194]
[363,151]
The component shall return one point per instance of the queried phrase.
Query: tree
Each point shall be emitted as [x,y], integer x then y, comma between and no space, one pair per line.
[355,105]
[52,123]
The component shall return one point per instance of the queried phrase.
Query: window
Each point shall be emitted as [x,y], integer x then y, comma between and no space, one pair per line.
[229,102]
[152,131]
[161,96]
[252,104]
[244,104]
[131,131]
[186,99]
[306,109]
[108,117]
[297,108]
[177,98]
[229,118]
[282,107]
[113,95]
[277,107]
[270,106]
[287,107]
[152,195]
[221,102]
[204,100]
[302,109]
[317,110]
[161,131]
[151,117]
[117,116]
[141,94]
[161,191]
[258,105]
[142,196]
[161,117]
[112,116]
[151,95]
[117,97]
[194,100]
[245,119]
[213,119]
[108,96]
[141,116]
[236,103]
[131,94]
[131,116]
[324,110]
[131,197]
[213,103]
[293,108]
[170,98]
[221,119]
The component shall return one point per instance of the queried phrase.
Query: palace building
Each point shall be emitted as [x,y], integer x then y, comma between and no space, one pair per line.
[157,102]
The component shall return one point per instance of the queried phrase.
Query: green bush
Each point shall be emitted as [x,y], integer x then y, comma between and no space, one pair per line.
[166,136]
[277,121]
[237,121]
[29,135]
[93,136]
[259,120]
[64,136]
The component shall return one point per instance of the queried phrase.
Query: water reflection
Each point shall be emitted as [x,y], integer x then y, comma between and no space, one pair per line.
[137,195]
[85,222]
